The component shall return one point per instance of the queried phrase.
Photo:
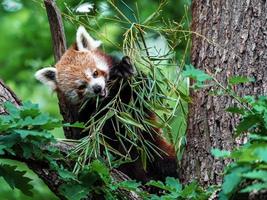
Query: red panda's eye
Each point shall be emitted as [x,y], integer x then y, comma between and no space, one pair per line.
[95,74]
[81,87]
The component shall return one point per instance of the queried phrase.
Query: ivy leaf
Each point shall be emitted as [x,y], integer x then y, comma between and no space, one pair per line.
[12,109]
[51,124]
[27,150]
[37,121]
[130,185]
[247,123]
[25,133]
[256,174]
[196,74]
[260,151]
[7,141]
[74,191]
[96,172]
[174,184]
[5,122]
[29,109]
[157,184]
[189,191]
[255,187]
[232,180]
[66,175]
[101,169]
[236,110]
[257,137]
[239,79]
[16,179]
[220,153]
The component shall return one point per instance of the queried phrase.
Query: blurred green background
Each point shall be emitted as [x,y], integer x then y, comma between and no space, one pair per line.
[25,46]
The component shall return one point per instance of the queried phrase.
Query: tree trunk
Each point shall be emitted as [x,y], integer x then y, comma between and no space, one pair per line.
[68,112]
[234,41]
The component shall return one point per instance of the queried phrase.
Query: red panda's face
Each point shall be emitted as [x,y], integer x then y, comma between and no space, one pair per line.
[82,74]
[82,71]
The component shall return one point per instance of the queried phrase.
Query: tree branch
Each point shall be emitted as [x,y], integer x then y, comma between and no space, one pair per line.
[42,169]
[6,94]
[56,28]
[68,112]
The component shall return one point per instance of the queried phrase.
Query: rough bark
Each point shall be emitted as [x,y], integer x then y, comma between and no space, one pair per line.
[234,41]
[56,28]
[6,94]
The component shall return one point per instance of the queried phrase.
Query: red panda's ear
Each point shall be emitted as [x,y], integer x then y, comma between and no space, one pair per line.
[84,41]
[47,76]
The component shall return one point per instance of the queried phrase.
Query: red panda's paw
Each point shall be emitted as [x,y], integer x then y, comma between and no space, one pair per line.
[123,69]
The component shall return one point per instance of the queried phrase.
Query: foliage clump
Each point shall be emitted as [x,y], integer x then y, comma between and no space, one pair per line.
[247,171]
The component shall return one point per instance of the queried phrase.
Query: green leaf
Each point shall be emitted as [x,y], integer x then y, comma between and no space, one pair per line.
[255,187]
[236,110]
[66,175]
[190,191]
[174,184]
[157,184]
[51,124]
[29,109]
[38,120]
[100,168]
[12,109]
[239,79]
[16,179]
[220,153]
[75,125]
[7,141]
[128,119]
[261,151]
[232,180]
[256,174]
[96,172]
[25,133]
[130,185]
[196,74]
[199,76]
[247,123]
[251,153]
[5,123]
[74,191]
[27,151]
[257,137]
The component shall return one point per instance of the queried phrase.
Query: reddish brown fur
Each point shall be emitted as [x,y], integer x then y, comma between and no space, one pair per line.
[72,65]
[71,68]
[160,141]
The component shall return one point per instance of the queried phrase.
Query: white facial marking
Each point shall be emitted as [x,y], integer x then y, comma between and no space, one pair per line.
[98,81]
[101,81]
[101,64]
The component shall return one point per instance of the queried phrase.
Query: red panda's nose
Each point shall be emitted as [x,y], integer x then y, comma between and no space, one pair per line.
[97,89]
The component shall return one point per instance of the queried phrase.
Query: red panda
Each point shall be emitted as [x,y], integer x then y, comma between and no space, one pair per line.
[83,73]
